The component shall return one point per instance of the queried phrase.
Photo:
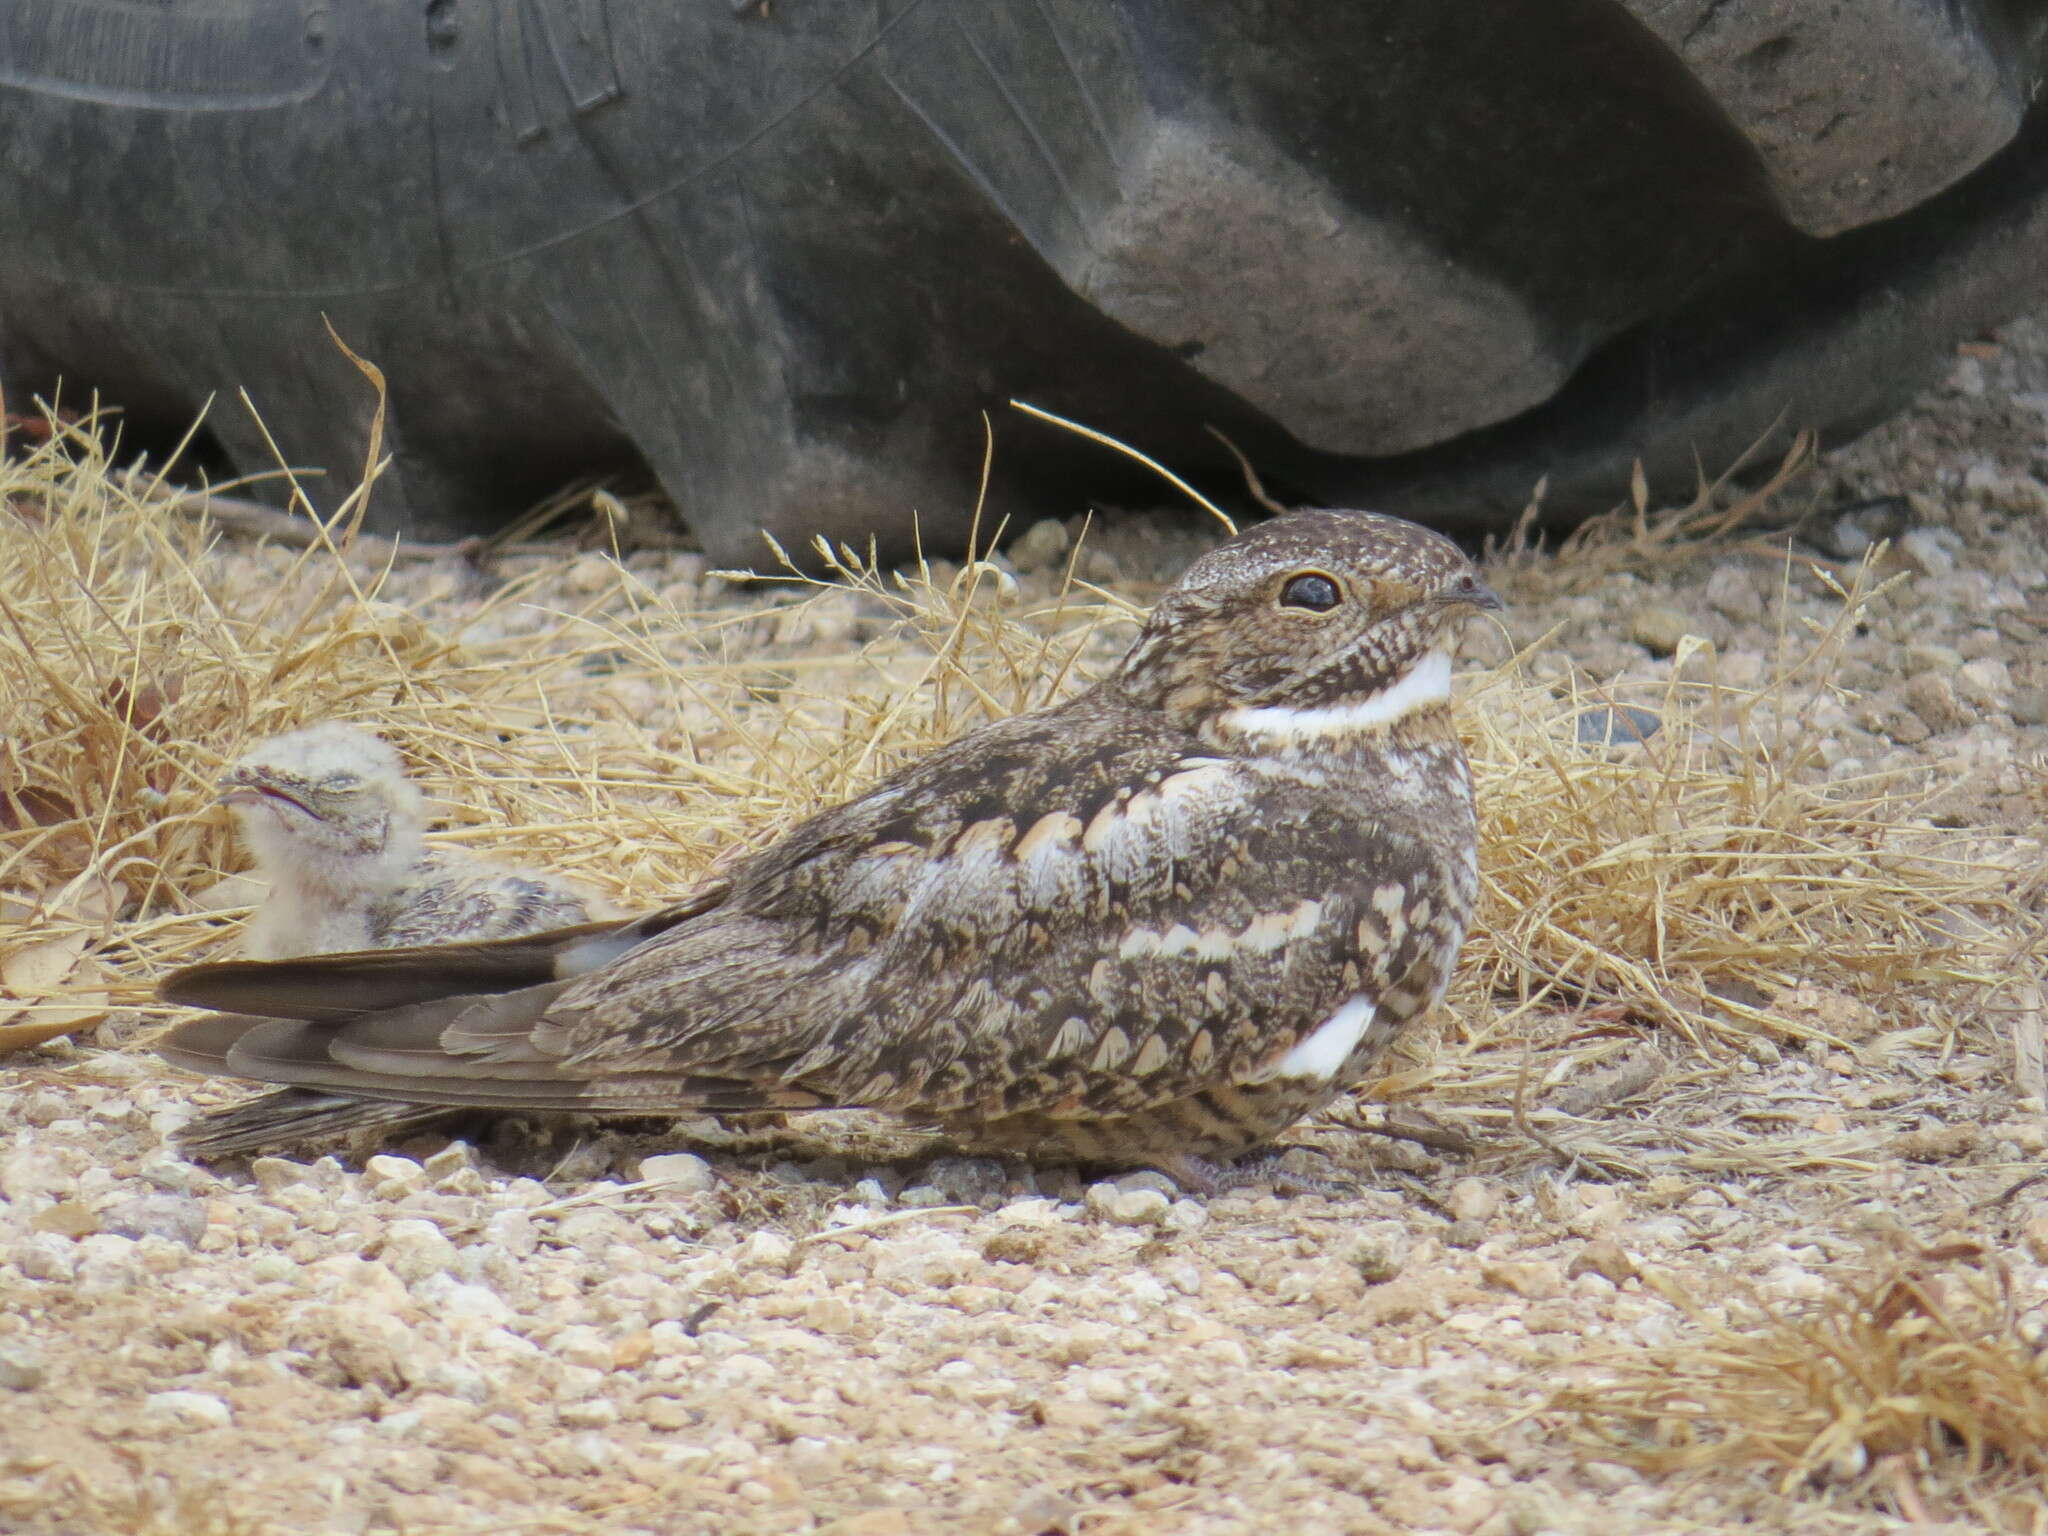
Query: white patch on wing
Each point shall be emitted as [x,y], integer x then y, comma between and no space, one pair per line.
[1132,838]
[1261,936]
[1322,1054]
[1427,682]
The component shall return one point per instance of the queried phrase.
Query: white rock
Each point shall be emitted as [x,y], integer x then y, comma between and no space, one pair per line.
[764,1250]
[393,1178]
[591,1451]
[743,1371]
[593,1230]
[512,1231]
[21,1366]
[1986,682]
[1143,1287]
[591,574]
[583,1346]
[452,1158]
[1137,1207]
[277,1174]
[1041,546]
[1473,1200]
[1927,550]
[575,1382]
[352,1276]
[45,1256]
[464,1309]
[106,1264]
[501,1341]
[174,1173]
[192,1410]
[684,1172]
[271,1268]
[416,1249]
[1733,590]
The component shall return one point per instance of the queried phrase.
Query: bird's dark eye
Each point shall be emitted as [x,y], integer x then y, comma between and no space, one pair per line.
[1312,590]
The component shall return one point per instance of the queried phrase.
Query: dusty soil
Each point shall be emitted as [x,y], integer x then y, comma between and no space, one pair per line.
[549,1335]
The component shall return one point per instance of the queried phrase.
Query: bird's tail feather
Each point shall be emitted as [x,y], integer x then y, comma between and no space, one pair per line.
[292,1117]
[332,989]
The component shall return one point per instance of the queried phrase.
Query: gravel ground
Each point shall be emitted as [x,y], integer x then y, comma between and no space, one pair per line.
[598,1333]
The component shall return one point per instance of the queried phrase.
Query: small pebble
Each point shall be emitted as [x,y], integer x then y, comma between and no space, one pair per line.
[191,1410]
[1848,532]
[2028,706]
[178,1217]
[1624,723]
[1473,1200]
[1041,546]
[21,1367]
[1604,1258]
[1533,1279]
[1659,628]
[393,1178]
[1377,1252]
[1924,657]
[1128,1207]
[683,1172]
[1932,696]
[1927,551]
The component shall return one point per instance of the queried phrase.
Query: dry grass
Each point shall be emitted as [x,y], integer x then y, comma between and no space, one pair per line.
[628,737]
[634,736]
[1916,1381]
[1692,877]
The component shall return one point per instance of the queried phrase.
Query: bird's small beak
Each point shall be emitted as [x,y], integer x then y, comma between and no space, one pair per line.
[1478,596]
[233,792]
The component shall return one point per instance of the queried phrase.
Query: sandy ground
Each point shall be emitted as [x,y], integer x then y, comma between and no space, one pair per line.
[550,1336]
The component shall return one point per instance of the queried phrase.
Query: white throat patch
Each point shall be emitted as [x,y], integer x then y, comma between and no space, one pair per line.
[1427,682]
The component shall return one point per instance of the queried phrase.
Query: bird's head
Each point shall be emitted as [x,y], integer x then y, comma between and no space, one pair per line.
[324,798]
[1307,630]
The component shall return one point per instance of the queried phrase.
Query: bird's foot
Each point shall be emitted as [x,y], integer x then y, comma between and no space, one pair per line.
[1259,1170]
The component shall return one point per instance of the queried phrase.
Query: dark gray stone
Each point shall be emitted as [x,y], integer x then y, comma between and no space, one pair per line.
[1624,723]
[178,1217]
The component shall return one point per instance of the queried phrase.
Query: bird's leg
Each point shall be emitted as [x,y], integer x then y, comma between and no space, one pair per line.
[1258,1170]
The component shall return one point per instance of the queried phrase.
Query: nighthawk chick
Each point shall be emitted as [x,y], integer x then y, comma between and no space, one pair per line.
[1155,924]
[336,829]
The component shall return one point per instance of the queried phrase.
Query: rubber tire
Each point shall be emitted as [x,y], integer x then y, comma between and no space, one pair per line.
[788,254]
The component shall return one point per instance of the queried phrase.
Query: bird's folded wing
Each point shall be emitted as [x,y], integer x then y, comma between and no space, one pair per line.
[334,988]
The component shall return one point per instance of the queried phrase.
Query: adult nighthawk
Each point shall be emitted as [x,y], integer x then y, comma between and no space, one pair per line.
[1152,925]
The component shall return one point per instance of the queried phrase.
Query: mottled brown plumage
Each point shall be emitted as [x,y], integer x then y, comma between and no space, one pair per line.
[1155,924]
